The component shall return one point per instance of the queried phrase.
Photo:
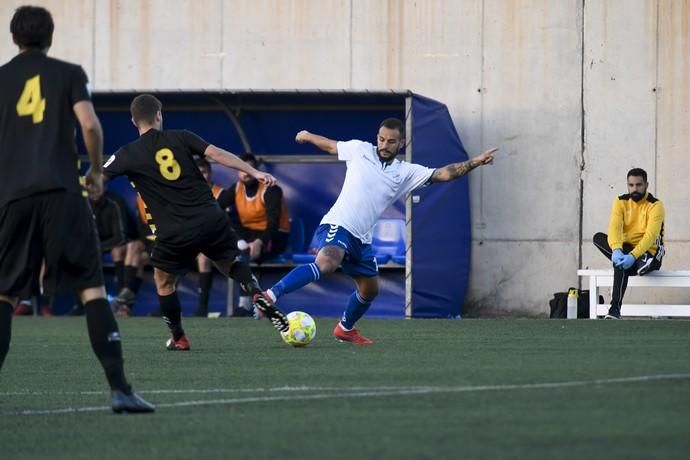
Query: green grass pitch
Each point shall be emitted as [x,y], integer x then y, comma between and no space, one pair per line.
[427,389]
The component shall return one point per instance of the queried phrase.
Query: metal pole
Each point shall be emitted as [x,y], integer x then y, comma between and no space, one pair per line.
[408,213]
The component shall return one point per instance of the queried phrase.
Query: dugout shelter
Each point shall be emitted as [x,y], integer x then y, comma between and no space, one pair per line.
[431,278]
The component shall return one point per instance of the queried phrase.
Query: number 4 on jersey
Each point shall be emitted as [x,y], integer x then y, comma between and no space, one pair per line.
[30,101]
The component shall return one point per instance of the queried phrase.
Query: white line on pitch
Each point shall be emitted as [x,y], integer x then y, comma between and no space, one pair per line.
[374,392]
[210,390]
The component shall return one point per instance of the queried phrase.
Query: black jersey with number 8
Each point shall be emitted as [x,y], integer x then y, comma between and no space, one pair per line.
[161,166]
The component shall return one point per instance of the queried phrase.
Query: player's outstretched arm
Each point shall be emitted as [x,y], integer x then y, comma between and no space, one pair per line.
[323,143]
[231,160]
[455,170]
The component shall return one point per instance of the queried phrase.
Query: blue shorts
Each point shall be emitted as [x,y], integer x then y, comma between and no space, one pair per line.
[359,258]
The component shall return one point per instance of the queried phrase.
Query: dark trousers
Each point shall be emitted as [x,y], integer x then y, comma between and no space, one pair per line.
[620,276]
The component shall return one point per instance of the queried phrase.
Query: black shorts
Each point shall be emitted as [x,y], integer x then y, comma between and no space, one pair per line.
[216,240]
[58,227]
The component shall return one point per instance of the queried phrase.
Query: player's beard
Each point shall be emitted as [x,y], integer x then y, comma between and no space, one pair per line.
[382,158]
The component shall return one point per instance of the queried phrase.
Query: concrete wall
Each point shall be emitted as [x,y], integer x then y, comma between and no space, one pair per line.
[569,91]
[636,100]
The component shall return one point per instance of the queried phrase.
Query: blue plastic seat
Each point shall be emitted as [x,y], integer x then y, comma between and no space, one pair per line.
[107,259]
[295,243]
[389,240]
[296,238]
[279,259]
[310,255]
[400,260]
[382,259]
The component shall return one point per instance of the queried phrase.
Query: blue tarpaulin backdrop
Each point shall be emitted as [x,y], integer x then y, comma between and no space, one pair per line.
[441,234]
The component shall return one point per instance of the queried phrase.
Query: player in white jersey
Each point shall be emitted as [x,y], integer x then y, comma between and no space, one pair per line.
[374,180]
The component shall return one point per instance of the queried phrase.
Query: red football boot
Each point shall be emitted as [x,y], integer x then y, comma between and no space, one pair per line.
[352,336]
[181,344]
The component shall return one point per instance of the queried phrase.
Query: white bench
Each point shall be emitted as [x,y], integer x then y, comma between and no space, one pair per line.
[661,278]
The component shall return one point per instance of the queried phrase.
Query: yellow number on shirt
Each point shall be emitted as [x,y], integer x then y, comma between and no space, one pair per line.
[169,167]
[30,101]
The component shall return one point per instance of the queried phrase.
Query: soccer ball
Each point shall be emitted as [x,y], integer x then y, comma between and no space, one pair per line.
[302,329]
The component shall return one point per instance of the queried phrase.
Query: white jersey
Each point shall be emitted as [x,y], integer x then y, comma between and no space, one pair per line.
[370,187]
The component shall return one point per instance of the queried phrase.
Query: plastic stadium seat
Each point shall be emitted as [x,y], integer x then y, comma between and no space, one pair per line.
[295,242]
[107,259]
[279,259]
[400,260]
[309,256]
[382,258]
[296,238]
[303,258]
[389,240]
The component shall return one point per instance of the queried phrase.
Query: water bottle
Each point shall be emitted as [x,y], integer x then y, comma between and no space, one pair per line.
[243,247]
[572,304]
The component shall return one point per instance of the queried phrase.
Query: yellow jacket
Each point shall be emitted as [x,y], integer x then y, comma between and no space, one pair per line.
[640,223]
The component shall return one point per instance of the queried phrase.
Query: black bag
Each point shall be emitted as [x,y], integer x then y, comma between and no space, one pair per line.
[559,304]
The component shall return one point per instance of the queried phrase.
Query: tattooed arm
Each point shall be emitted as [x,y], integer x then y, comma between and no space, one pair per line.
[455,170]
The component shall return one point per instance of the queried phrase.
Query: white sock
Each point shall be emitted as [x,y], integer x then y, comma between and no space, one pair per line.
[272,296]
[245,302]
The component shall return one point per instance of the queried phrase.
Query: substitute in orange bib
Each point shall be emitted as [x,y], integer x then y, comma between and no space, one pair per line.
[635,242]
[262,219]
[263,215]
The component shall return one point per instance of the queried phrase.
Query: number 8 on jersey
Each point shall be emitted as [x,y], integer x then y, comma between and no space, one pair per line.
[169,167]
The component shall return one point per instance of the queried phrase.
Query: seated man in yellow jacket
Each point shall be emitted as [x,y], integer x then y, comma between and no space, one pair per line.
[635,243]
[264,221]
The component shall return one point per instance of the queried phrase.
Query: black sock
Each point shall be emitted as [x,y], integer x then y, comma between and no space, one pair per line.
[241,273]
[135,284]
[172,313]
[44,301]
[5,329]
[105,341]
[205,282]
[119,275]
[130,275]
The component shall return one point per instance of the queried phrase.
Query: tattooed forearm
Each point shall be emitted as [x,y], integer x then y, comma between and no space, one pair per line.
[454,170]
